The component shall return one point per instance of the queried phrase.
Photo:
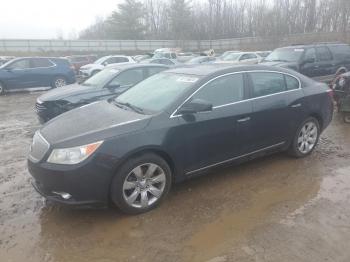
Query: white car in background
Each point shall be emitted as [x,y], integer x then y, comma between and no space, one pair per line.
[91,69]
[247,58]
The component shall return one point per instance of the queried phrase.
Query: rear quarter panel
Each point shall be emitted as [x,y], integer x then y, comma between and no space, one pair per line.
[318,103]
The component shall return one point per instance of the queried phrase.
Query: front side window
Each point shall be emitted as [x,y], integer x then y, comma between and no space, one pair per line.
[20,64]
[231,57]
[223,90]
[247,56]
[158,92]
[128,78]
[310,55]
[265,83]
[100,79]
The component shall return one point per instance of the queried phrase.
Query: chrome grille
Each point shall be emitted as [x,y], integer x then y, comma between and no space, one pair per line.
[39,107]
[38,148]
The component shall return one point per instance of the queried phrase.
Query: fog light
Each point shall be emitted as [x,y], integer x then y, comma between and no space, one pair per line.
[64,195]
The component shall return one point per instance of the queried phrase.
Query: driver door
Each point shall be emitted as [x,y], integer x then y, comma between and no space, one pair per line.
[209,138]
[19,74]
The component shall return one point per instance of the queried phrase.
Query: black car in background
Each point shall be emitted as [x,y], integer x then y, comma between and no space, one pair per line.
[109,82]
[322,62]
[29,72]
[175,124]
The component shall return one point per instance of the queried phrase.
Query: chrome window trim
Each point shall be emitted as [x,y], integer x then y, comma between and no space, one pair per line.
[235,158]
[173,115]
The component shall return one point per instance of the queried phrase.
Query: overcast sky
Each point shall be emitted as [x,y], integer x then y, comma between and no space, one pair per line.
[50,18]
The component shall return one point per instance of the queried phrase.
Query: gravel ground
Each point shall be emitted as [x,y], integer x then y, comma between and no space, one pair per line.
[272,209]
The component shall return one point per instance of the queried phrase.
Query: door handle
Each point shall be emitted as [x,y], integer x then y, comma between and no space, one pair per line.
[296,105]
[243,119]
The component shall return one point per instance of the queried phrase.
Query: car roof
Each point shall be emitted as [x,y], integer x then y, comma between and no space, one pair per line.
[313,45]
[210,69]
[135,65]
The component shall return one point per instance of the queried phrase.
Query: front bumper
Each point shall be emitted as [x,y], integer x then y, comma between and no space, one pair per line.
[88,184]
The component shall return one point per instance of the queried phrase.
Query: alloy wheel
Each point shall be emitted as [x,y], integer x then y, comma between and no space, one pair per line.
[144,185]
[307,137]
[59,82]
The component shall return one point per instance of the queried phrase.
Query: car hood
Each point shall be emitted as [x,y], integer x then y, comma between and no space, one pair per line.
[65,91]
[94,122]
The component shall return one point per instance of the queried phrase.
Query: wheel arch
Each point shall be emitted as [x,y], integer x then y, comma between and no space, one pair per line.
[152,150]
[318,117]
[341,70]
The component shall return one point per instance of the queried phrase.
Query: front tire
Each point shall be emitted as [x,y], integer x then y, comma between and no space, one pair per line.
[141,184]
[306,138]
[58,81]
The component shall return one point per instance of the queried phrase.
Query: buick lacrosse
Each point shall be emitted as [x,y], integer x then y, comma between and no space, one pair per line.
[176,124]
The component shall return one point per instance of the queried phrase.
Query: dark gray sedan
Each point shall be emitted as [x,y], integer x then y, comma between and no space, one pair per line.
[174,125]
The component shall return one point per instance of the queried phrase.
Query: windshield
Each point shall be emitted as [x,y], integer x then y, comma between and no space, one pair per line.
[157,92]
[100,79]
[231,57]
[100,60]
[285,55]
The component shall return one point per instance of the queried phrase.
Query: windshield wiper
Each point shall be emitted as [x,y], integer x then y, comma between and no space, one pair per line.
[132,107]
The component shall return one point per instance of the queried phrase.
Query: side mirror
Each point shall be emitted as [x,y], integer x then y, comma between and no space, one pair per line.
[309,61]
[195,106]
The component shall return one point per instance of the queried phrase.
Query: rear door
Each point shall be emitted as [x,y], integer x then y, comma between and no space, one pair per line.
[326,66]
[309,65]
[41,71]
[273,109]
[216,136]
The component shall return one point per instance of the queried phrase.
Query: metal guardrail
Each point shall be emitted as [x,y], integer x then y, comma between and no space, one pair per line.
[257,43]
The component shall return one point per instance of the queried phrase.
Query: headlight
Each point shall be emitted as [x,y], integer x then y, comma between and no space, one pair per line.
[73,155]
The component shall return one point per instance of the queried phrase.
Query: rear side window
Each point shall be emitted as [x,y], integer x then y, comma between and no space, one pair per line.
[291,82]
[323,53]
[41,62]
[267,83]
[223,90]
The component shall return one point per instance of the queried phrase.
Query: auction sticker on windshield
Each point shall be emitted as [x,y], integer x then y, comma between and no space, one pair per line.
[187,79]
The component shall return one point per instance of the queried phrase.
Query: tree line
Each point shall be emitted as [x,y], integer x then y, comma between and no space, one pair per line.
[219,19]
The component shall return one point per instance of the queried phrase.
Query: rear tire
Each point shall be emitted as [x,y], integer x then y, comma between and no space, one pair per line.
[58,81]
[141,183]
[305,139]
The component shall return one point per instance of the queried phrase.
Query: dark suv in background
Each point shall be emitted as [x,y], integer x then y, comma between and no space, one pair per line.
[29,72]
[321,62]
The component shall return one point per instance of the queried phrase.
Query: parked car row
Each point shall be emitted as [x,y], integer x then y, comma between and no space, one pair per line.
[323,62]
[176,123]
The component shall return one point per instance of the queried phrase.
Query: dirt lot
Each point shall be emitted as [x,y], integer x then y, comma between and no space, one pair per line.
[273,209]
